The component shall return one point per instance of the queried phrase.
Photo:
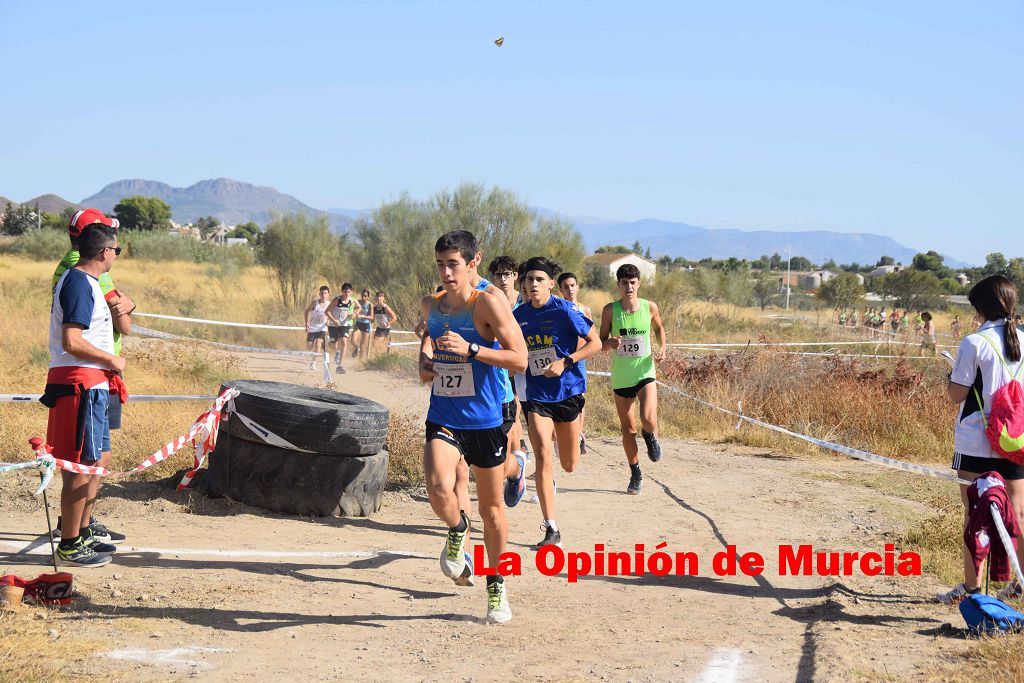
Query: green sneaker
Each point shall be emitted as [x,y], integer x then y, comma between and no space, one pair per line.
[498,611]
[453,553]
[81,555]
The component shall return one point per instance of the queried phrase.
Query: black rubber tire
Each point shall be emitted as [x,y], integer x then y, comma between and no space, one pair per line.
[316,420]
[296,483]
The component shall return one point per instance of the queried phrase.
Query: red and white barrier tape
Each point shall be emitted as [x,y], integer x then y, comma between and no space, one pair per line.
[202,435]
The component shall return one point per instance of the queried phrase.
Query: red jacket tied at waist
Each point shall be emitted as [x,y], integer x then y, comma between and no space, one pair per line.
[980,534]
[64,388]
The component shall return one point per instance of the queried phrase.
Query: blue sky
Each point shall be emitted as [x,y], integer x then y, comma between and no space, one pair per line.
[898,118]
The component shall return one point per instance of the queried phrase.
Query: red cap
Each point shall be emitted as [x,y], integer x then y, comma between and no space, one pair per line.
[87,217]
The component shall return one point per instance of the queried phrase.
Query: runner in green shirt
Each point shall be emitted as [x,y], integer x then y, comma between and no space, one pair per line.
[626,327]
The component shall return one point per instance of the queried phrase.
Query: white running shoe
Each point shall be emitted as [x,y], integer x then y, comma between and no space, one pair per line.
[498,611]
[453,552]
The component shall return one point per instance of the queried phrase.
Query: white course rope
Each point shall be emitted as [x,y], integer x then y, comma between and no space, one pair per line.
[828,445]
[229,323]
[132,398]
[167,336]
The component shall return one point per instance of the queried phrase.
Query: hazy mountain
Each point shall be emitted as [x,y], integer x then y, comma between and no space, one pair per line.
[230,201]
[694,242]
[51,203]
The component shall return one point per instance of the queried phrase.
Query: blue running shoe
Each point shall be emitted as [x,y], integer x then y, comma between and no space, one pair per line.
[515,488]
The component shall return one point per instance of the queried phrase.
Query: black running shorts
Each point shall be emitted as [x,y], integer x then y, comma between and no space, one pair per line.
[339,333]
[631,392]
[483,448]
[508,415]
[562,411]
[975,465]
[313,336]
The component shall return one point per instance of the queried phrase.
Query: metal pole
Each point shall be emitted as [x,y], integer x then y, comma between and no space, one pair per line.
[49,528]
[788,275]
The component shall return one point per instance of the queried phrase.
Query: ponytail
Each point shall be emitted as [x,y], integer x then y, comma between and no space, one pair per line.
[995,298]
[1011,341]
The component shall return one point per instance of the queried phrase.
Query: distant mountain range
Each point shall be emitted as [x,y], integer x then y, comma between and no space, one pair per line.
[694,242]
[50,203]
[234,202]
[230,201]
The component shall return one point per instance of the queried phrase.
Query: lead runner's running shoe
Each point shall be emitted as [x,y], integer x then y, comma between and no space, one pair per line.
[453,553]
[498,611]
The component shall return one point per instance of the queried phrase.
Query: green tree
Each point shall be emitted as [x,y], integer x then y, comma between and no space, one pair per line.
[766,287]
[911,289]
[613,249]
[801,263]
[841,291]
[143,213]
[294,251]
[885,261]
[19,220]
[637,248]
[932,262]
[249,230]
[208,226]
[996,264]
[597,277]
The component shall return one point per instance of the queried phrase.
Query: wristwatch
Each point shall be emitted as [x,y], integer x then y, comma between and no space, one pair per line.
[569,362]
[473,350]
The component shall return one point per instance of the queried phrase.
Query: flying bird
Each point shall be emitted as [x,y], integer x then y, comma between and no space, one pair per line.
[500,41]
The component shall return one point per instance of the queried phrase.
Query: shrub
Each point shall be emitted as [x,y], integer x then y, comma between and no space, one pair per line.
[41,245]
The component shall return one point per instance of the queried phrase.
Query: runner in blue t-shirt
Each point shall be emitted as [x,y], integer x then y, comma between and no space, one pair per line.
[555,380]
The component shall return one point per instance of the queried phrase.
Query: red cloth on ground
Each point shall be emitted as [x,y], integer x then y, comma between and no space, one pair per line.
[980,534]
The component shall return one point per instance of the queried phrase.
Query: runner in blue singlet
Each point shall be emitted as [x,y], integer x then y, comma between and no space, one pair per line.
[472,336]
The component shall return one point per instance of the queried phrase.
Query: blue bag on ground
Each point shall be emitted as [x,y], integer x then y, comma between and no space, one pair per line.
[985,614]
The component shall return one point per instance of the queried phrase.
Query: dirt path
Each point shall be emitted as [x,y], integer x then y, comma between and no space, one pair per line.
[223,590]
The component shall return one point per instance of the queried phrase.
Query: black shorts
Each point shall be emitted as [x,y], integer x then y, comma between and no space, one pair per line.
[631,392]
[114,411]
[483,448]
[975,465]
[313,336]
[363,326]
[382,332]
[508,416]
[339,333]
[562,411]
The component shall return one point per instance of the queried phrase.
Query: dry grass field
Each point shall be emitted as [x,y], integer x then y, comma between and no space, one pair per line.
[895,408]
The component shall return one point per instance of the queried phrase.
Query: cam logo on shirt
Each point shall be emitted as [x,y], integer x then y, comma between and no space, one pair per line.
[540,340]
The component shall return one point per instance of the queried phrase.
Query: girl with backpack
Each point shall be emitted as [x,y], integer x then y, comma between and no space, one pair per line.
[988,365]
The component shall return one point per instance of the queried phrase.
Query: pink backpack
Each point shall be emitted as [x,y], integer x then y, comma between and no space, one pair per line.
[1004,426]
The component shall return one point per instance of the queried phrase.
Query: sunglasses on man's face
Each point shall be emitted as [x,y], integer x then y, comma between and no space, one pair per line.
[504,275]
[117,250]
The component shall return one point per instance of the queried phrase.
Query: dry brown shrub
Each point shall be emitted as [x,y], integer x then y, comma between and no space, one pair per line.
[405,450]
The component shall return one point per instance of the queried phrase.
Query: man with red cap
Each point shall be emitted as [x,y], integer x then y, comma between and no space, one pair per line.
[121,307]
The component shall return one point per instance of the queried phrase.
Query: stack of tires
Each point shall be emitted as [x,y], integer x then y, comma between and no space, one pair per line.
[301,450]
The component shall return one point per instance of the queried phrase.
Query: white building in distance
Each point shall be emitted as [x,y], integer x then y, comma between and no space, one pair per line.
[648,269]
